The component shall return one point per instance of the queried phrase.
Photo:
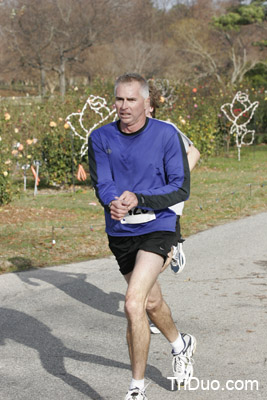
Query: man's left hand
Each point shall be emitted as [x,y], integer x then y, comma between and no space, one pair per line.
[129,199]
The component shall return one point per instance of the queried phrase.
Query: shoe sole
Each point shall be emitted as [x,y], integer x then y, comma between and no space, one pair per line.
[155,331]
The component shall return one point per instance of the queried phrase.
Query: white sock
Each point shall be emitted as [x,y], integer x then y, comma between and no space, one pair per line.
[137,384]
[178,344]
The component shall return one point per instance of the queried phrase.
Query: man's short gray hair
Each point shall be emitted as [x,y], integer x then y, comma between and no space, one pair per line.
[133,77]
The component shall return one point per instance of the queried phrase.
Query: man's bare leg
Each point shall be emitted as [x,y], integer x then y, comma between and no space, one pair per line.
[156,308]
[142,279]
[160,314]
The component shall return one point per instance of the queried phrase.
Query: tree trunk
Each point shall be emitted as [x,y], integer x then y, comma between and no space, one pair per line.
[43,82]
[62,77]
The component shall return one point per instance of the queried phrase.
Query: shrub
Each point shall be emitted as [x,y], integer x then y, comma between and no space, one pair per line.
[195,116]
[36,131]
[57,156]
[5,177]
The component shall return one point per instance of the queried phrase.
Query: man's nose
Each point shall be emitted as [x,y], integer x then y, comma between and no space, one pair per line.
[124,104]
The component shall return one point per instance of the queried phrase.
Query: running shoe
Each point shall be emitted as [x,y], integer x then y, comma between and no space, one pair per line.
[182,363]
[178,258]
[136,394]
[153,328]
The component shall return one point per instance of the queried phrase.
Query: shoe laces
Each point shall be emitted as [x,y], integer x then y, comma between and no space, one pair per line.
[180,362]
[135,392]
[175,251]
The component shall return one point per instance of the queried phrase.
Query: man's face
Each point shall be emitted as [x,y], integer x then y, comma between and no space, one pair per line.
[130,104]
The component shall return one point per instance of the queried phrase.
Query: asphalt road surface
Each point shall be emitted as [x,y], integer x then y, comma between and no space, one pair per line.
[62,329]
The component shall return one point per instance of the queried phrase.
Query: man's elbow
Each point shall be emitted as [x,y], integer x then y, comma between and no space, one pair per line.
[193,155]
[183,192]
[187,194]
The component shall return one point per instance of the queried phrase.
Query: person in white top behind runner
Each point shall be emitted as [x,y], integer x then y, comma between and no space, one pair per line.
[193,155]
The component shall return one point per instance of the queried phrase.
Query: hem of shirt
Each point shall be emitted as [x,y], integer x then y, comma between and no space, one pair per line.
[127,233]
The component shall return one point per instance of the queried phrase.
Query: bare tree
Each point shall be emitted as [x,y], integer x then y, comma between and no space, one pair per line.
[48,35]
[134,44]
[80,25]
[30,36]
[243,26]
[205,51]
[140,56]
[242,53]
[198,51]
[61,39]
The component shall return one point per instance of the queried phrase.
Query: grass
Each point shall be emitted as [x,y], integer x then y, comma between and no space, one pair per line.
[57,227]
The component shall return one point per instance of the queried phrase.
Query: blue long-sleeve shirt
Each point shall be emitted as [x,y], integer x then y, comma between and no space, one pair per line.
[151,163]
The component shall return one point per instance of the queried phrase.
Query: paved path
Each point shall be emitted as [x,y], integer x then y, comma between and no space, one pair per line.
[62,329]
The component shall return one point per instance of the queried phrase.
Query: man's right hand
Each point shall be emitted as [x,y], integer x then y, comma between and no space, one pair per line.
[118,210]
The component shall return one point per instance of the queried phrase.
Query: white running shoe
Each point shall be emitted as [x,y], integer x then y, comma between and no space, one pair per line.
[153,328]
[136,394]
[178,258]
[182,363]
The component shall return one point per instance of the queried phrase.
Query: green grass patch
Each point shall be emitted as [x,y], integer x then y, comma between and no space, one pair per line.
[225,189]
[57,227]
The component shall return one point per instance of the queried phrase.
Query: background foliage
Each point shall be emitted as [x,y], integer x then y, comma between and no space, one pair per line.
[49,45]
[63,226]
[5,184]
[38,131]
[57,52]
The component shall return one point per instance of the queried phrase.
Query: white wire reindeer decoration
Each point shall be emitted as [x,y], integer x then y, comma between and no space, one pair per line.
[240,112]
[99,106]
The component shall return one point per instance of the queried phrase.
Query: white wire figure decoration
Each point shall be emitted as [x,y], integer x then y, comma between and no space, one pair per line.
[240,113]
[166,90]
[99,106]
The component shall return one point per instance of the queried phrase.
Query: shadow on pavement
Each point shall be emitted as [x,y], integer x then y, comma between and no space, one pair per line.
[75,286]
[30,332]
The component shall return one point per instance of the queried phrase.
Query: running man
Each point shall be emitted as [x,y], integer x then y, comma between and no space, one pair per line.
[139,168]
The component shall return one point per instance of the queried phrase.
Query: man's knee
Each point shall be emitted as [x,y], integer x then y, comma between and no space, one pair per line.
[134,306]
[154,304]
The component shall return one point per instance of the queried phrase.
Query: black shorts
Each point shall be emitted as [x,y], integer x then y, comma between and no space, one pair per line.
[178,231]
[125,248]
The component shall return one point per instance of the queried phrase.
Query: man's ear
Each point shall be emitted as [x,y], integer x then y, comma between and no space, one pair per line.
[147,103]
[149,110]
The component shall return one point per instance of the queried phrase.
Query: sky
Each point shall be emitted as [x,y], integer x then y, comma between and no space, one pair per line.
[169,3]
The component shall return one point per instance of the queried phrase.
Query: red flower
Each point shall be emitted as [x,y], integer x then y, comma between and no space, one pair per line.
[237,111]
